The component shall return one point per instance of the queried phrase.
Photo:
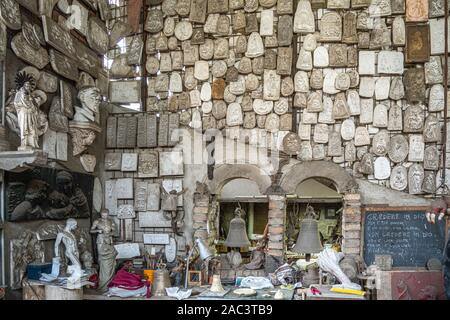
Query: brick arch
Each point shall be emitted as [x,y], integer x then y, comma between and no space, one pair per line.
[227,172]
[300,172]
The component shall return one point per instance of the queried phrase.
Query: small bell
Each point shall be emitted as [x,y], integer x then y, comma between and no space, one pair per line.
[237,234]
[216,285]
[160,283]
[308,240]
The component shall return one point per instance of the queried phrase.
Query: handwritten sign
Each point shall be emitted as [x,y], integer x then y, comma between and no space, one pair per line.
[406,235]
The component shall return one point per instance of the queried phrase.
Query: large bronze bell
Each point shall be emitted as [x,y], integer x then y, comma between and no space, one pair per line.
[237,234]
[161,281]
[308,240]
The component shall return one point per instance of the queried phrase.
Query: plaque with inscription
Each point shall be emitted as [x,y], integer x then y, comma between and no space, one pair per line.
[160,238]
[153,219]
[38,58]
[124,92]
[58,37]
[152,133]
[417,43]
[122,123]
[113,161]
[163,134]
[140,196]
[131,132]
[97,36]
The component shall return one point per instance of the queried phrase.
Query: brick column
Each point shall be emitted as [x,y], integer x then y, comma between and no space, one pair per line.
[351,225]
[200,216]
[277,217]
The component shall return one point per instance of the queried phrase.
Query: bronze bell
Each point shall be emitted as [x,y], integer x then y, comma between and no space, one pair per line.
[237,234]
[308,240]
[161,281]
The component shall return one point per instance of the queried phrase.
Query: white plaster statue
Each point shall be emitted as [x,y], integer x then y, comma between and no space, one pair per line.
[328,261]
[30,121]
[90,98]
[70,242]
[104,227]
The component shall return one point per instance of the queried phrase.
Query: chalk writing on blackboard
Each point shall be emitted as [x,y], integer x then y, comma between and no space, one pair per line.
[405,235]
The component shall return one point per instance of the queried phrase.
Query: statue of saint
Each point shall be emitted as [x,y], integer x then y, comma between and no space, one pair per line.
[67,200]
[27,111]
[104,227]
[169,204]
[67,237]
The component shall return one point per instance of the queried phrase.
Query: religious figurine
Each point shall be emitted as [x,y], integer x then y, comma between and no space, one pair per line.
[67,237]
[31,122]
[104,227]
[169,205]
[67,200]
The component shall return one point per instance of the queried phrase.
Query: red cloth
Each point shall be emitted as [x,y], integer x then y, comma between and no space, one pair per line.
[129,281]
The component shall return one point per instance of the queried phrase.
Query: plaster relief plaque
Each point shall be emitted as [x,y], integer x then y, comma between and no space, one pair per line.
[416,10]
[380,143]
[111,196]
[363,40]
[362,137]
[380,116]
[251,23]
[353,102]
[429,182]
[284,32]
[338,55]
[22,49]
[245,65]
[366,116]
[217,6]
[63,65]
[414,81]
[287,87]
[436,98]
[171,163]
[57,120]
[97,36]
[255,46]
[417,43]
[113,161]
[148,164]
[221,48]
[398,6]
[10,14]
[258,65]
[234,115]
[261,121]
[415,179]
[262,107]
[272,85]
[399,178]
[431,131]
[309,117]
[285,122]
[380,36]
[416,148]
[368,67]
[398,149]
[348,129]
[124,188]
[314,103]
[316,79]
[304,18]
[198,11]
[285,7]
[321,133]
[382,168]
[349,34]
[129,162]
[249,120]
[414,119]
[398,31]
[367,87]
[326,116]
[340,108]
[397,90]
[266,24]
[366,165]
[126,211]
[238,87]
[272,123]
[270,60]
[390,62]
[342,81]
[291,143]
[306,152]
[395,121]
[301,82]
[281,106]
[334,144]
[284,61]
[321,57]
[330,27]
[380,8]
[431,158]
[433,71]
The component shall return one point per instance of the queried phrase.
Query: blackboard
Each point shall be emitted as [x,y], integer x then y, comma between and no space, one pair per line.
[406,235]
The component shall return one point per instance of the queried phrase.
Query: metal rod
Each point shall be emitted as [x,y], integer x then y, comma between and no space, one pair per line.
[444,140]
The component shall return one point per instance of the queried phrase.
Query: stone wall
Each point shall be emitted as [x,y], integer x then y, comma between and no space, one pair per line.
[359,83]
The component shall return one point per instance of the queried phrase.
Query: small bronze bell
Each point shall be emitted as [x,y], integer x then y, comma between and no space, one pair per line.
[237,234]
[161,281]
[308,240]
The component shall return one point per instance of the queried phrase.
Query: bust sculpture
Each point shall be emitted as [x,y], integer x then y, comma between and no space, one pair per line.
[104,227]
